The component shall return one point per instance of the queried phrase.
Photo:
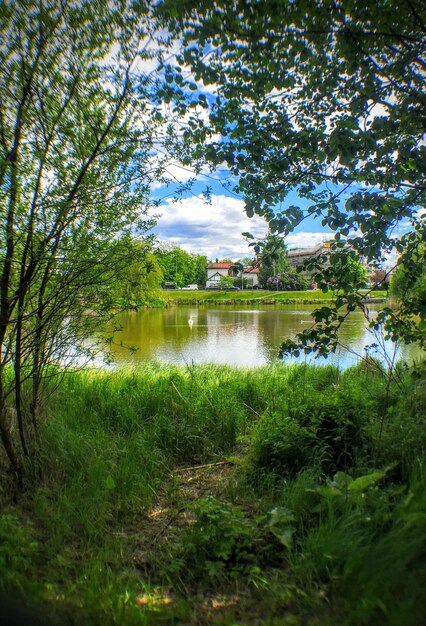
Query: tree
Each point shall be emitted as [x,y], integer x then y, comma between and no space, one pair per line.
[408,288]
[199,270]
[380,278]
[181,267]
[248,261]
[327,101]
[271,259]
[139,280]
[289,280]
[225,282]
[77,131]
[236,269]
[349,274]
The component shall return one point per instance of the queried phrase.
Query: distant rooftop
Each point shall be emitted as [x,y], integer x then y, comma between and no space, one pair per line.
[308,251]
[251,270]
[219,266]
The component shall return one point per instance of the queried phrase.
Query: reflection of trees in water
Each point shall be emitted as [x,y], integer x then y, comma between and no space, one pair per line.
[156,330]
[354,330]
[233,336]
[143,330]
[225,334]
[230,322]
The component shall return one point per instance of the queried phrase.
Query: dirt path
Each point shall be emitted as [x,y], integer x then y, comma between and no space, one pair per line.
[171,511]
[170,515]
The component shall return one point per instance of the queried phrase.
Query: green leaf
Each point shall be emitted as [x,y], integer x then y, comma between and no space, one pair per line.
[281,515]
[279,521]
[249,210]
[110,482]
[284,535]
[365,481]
[369,479]
[327,492]
[341,480]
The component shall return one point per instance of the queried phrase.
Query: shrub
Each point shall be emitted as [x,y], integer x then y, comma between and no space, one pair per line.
[369,552]
[221,543]
[337,421]
[289,280]
[280,445]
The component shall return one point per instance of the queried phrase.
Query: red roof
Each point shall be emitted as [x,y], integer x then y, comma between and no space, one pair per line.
[251,270]
[219,266]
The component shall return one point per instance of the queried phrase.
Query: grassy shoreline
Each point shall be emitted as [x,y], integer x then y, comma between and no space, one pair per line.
[253,297]
[205,495]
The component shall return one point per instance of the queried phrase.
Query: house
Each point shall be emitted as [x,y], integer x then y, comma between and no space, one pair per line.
[298,257]
[252,274]
[216,270]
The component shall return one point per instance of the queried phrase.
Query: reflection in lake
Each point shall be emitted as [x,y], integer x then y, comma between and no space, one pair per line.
[234,335]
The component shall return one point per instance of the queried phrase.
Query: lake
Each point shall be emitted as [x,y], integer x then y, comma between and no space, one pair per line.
[237,335]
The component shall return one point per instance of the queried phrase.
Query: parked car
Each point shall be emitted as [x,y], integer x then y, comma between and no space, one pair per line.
[190,287]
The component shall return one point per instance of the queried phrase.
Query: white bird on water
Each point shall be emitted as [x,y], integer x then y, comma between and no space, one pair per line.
[190,322]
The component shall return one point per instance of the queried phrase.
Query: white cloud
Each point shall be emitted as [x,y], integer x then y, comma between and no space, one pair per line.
[215,229]
[306,239]
[212,229]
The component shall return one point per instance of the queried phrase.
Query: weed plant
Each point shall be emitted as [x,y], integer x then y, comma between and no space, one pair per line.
[324,525]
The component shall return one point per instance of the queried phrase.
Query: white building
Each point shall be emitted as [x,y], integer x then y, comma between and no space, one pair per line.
[297,257]
[252,274]
[215,271]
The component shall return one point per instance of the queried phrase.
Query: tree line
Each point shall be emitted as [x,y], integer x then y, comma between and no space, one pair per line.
[154,267]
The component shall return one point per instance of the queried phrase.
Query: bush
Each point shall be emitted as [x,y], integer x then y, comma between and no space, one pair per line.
[313,428]
[221,543]
[370,554]
[337,421]
[289,280]
[280,445]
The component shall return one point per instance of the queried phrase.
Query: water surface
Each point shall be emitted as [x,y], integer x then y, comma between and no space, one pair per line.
[237,335]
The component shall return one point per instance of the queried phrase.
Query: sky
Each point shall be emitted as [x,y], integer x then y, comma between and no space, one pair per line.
[214,228]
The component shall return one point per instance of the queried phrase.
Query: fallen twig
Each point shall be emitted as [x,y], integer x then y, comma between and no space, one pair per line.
[195,467]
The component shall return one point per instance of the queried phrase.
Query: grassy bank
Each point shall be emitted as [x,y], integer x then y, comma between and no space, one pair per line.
[252,297]
[283,495]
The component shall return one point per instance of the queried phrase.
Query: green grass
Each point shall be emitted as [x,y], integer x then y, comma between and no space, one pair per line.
[283,531]
[252,297]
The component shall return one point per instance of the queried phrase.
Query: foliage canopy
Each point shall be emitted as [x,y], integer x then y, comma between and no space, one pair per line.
[78,122]
[327,101]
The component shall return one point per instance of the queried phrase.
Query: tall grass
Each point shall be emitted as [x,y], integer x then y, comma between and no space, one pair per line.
[368,553]
[110,439]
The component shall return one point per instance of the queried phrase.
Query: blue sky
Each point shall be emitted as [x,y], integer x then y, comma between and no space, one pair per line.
[214,228]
